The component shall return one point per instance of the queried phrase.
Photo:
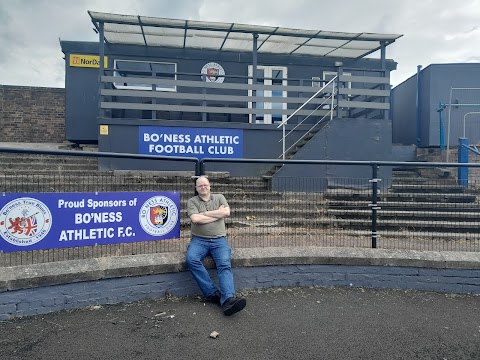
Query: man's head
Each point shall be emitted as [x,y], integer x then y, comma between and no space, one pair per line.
[202,186]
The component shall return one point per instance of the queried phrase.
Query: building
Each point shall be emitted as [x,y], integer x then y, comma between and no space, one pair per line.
[204,89]
[437,106]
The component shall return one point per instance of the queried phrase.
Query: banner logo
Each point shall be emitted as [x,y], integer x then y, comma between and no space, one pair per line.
[158,215]
[25,221]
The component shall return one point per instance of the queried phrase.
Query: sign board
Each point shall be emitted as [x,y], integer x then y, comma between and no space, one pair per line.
[88,61]
[190,142]
[39,221]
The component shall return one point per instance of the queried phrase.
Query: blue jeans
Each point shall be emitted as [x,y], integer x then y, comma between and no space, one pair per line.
[221,253]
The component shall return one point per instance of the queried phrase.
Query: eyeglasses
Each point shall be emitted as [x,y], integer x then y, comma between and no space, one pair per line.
[200,186]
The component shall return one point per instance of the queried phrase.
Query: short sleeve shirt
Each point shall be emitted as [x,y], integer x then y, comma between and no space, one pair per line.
[196,205]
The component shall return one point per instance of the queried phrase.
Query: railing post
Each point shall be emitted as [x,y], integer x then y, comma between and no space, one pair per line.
[463,159]
[340,97]
[154,99]
[204,101]
[374,205]
[199,168]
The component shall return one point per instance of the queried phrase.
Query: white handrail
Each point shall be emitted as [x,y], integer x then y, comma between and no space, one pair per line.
[284,122]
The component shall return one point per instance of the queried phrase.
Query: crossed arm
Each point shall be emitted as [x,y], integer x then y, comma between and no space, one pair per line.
[211,215]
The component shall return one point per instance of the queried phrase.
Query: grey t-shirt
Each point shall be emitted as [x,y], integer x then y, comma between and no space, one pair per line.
[196,205]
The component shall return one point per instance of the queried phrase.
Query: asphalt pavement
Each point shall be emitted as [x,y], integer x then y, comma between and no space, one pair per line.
[298,323]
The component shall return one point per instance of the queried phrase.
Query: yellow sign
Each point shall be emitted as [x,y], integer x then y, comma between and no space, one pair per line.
[90,61]
[103,129]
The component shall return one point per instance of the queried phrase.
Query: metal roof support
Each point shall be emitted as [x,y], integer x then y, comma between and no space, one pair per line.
[254,71]
[101,53]
[254,57]
[383,62]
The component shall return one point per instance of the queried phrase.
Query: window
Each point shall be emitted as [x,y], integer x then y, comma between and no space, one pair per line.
[144,69]
[269,75]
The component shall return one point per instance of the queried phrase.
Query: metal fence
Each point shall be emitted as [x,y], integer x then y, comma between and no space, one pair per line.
[419,206]
[463,117]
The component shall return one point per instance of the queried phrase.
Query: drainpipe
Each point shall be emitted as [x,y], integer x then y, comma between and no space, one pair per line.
[418,124]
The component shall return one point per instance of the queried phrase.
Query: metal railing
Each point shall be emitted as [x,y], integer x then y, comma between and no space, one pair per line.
[330,98]
[234,100]
[429,213]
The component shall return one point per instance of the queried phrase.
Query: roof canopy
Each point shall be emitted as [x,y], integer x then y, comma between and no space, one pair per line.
[150,31]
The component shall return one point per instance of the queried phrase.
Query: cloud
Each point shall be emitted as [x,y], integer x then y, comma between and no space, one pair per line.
[434,31]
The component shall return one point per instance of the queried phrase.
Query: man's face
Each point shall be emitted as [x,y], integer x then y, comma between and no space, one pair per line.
[203,186]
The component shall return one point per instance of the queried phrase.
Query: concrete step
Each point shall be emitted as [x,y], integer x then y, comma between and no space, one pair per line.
[32,158]
[427,188]
[40,166]
[365,195]
[58,172]
[416,226]
[458,216]
[406,206]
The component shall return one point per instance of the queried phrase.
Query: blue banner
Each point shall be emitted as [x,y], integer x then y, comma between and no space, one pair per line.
[59,220]
[190,142]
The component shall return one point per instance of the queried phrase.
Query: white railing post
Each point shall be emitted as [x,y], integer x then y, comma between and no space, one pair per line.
[333,101]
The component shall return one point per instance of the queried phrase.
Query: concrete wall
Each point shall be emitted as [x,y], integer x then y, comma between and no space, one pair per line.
[42,288]
[32,114]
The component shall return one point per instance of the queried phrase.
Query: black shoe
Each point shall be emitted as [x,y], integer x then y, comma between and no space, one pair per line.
[214,298]
[233,305]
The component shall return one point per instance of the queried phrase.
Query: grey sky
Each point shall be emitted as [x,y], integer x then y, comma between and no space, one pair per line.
[434,31]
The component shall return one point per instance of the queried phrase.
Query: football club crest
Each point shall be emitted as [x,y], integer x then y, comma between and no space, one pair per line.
[213,72]
[25,221]
[158,215]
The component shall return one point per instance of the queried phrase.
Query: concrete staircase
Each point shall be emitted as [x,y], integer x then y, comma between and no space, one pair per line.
[293,149]
[420,201]
[424,202]
[26,164]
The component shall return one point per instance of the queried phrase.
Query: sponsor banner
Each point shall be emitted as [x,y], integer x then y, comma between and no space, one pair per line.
[59,220]
[89,61]
[190,142]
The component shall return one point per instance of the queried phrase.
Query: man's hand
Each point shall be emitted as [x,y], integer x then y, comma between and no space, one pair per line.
[210,216]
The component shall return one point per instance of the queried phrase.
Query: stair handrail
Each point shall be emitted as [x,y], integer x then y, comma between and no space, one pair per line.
[284,122]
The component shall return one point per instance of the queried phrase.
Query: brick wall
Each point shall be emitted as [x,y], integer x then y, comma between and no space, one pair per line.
[32,114]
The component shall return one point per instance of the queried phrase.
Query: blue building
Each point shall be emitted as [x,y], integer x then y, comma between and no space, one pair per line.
[205,89]
[437,106]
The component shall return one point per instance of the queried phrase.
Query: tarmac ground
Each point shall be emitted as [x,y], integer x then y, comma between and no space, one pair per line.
[297,323]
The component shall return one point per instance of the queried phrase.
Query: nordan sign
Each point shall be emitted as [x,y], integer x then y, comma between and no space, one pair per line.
[190,142]
[89,61]
[59,220]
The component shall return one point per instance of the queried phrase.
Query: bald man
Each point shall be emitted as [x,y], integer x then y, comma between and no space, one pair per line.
[207,213]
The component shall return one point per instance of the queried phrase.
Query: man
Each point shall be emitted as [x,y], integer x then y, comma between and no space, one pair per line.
[207,213]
